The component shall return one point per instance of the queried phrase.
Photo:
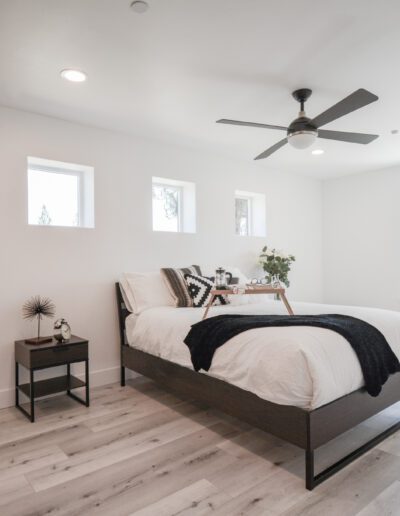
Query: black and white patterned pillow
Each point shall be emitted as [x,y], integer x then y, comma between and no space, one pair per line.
[199,288]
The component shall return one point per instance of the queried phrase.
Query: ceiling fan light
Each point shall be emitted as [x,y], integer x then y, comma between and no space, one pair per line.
[302,139]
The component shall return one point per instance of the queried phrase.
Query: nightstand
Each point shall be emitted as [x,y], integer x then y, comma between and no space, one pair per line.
[43,356]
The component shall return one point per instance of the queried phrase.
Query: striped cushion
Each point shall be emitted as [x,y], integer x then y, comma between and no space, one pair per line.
[175,279]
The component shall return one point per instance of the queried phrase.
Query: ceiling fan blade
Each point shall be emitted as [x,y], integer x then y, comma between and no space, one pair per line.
[250,124]
[272,149]
[347,137]
[354,101]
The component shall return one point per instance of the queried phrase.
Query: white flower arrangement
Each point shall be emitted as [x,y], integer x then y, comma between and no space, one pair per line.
[276,263]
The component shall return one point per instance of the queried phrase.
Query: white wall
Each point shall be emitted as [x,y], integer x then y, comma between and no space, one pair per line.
[77,268]
[361,239]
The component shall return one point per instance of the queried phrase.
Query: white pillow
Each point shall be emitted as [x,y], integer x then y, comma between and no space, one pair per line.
[126,293]
[237,273]
[145,290]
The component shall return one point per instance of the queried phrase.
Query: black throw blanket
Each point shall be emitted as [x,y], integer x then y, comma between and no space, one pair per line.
[376,357]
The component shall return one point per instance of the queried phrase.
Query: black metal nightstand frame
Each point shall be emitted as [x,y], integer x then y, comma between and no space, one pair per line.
[38,389]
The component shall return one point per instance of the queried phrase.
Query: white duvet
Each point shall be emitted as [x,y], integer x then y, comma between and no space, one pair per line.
[302,366]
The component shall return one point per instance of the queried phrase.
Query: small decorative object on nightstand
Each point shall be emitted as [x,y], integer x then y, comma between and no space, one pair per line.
[64,333]
[51,354]
[38,307]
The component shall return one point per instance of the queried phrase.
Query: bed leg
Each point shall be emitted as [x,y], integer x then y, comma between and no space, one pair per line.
[122,376]
[313,480]
[309,456]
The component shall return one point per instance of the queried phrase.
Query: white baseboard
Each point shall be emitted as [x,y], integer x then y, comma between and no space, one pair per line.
[96,379]
[106,376]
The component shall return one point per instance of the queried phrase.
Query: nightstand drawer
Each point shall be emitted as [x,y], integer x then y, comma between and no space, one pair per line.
[57,355]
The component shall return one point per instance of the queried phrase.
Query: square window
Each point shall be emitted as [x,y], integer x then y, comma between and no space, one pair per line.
[167,204]
[59,194]
[250,214]
[174,206]
[242,215]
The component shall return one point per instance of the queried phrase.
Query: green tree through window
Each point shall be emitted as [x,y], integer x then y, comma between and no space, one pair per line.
[44,219]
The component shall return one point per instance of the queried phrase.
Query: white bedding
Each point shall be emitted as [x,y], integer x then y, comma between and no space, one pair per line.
[302,366]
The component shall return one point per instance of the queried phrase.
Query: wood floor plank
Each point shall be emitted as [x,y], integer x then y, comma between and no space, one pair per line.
[198,499]
[281,487]
[10,414]
[165,481]
[258,456]
[95,440]
[385,504]
[151,422]
[391,445]
[13,432]
[106,485]
[26,462]
[251,443]
[114,451]
[14,488]
[60,436]
[127,414]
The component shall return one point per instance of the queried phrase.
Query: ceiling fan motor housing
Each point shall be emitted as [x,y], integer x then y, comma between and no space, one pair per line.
[300,125]
[302,132]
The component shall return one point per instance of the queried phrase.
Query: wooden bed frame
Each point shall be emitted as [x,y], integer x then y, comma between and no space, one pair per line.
[307,429]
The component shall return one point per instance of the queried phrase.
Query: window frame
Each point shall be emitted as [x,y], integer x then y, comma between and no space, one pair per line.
[65,172]
[256,203]
[85,189]
[178,188]
[249,225]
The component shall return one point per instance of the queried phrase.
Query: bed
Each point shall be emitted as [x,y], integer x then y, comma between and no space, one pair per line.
[303,401]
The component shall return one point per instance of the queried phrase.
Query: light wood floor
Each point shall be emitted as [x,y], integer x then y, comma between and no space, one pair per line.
[140,450]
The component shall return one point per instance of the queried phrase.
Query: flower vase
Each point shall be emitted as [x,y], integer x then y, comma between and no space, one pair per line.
[274,281]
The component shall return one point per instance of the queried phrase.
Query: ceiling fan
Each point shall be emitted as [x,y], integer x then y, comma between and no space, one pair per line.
[303,131]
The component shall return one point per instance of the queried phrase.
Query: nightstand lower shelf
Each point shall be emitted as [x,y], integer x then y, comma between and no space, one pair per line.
[51,386]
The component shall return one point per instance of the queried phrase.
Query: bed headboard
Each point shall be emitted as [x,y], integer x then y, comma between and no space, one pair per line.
[123,313]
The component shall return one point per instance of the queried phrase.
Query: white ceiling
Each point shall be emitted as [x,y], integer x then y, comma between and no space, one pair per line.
[170,73]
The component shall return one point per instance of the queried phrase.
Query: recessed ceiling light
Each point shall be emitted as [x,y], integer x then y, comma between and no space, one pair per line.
[317,152]
[139,6]
[73,75]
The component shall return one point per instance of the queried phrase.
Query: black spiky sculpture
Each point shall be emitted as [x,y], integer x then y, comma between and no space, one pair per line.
[38,307]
